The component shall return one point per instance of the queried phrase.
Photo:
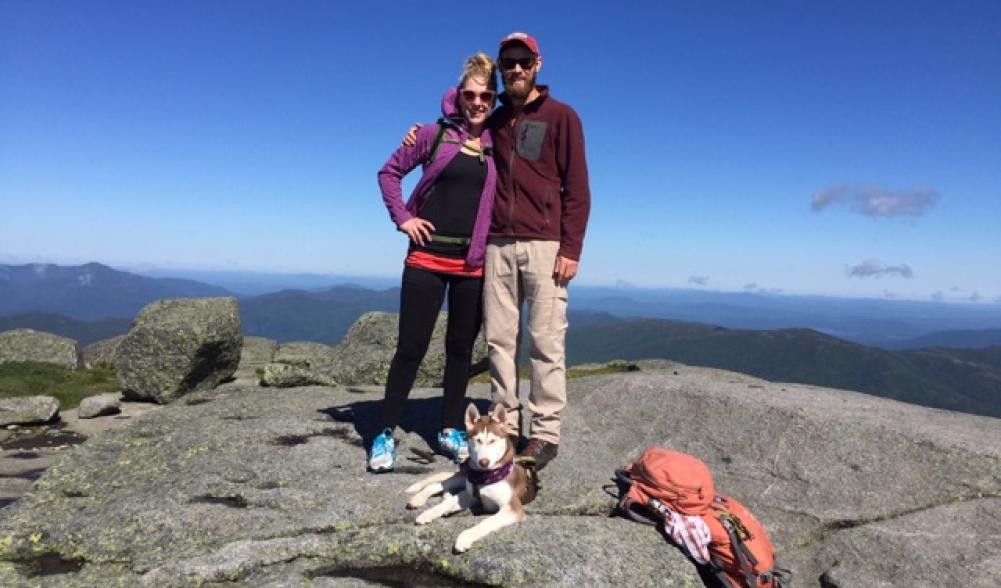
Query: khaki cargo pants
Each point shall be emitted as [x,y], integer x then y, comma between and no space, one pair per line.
[520,272]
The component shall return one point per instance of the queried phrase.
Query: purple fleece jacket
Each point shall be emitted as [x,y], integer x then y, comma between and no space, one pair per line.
[406,159]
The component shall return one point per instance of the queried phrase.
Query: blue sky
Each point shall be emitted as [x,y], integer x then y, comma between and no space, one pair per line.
[845,148]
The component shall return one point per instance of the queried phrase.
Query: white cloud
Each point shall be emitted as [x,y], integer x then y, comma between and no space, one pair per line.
[827,196]
[877,201]
[873,268]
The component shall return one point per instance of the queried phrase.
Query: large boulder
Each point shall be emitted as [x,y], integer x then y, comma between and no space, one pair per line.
[366,351]
[259,487]
[30,345]
[103,352]
[179,346]
[28,410]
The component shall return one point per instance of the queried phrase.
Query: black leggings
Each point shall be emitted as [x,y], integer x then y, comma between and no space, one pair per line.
[420,300]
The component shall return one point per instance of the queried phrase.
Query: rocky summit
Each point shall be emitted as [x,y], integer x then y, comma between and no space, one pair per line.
[251,486]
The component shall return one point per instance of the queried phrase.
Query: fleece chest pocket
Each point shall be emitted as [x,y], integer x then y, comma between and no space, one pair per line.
[531,134]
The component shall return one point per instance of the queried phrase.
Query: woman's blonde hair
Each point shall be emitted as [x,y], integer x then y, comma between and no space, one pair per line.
[480,66]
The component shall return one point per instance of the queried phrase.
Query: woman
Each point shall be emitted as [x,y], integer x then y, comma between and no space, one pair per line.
[447,218]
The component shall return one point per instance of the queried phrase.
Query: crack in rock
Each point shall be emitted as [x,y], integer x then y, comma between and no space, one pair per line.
[833,526]
[231,500]
[399,575]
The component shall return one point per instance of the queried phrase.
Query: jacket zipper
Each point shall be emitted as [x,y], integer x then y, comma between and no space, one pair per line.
[546,206]
[510,175]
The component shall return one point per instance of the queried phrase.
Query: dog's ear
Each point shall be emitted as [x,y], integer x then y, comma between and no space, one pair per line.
[472,415]
[499,414]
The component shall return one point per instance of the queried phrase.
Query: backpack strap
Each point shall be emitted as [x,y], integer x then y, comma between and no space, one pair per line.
[774,578]
[744,556]
[442,137]
[780,578]
[437,142]
[628,507]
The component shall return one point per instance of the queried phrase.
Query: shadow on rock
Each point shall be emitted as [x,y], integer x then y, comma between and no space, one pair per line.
[421,416]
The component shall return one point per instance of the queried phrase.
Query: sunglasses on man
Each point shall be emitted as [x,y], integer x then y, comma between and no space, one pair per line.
[508,63]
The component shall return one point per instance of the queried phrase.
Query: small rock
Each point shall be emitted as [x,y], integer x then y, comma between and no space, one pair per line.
[28,410]
[99,405]
[281,375]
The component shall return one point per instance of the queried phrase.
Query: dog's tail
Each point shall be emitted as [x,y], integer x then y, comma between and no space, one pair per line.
[419,485]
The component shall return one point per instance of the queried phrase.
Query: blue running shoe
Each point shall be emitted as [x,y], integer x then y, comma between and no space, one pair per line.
[382,456]
[454,444]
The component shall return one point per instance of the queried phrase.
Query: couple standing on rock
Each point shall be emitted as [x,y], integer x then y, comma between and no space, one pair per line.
[497,219]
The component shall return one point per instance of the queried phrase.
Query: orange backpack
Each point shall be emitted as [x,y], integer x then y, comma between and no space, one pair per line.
[661,480]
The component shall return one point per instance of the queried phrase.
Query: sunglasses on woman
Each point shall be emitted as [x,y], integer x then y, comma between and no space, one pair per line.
[470,96]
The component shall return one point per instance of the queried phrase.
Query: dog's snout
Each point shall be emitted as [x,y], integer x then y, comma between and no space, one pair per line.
[484,462]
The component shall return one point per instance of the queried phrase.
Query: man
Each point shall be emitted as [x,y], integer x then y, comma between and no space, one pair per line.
[536,235]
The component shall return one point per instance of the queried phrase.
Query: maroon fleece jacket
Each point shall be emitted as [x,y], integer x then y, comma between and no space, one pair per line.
[542,188]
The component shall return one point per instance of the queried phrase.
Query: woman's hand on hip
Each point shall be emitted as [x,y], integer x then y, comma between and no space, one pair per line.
[418,229]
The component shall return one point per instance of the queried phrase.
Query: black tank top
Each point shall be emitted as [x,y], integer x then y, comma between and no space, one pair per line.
[452,206]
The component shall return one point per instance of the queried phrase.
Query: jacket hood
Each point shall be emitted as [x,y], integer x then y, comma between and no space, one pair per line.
[450,103]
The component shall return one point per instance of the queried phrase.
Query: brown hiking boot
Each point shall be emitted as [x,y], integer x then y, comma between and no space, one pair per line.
[537,453]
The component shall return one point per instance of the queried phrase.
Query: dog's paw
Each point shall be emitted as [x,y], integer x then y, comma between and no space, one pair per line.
[464,542]
[416,502]
[424,518]
[415,487]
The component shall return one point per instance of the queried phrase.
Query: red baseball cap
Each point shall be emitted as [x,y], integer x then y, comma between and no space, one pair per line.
[523,38]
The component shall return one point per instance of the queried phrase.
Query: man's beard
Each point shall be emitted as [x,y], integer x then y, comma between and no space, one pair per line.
[522,92]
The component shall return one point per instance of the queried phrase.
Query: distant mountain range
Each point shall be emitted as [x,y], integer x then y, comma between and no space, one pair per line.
[96,291]
[83,332]
[967,380]
[297,315]
[88,292]
[958,369]
[890,324]
[972,339]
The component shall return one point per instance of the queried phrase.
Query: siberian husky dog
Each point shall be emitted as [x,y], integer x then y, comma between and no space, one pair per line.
[490,478]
